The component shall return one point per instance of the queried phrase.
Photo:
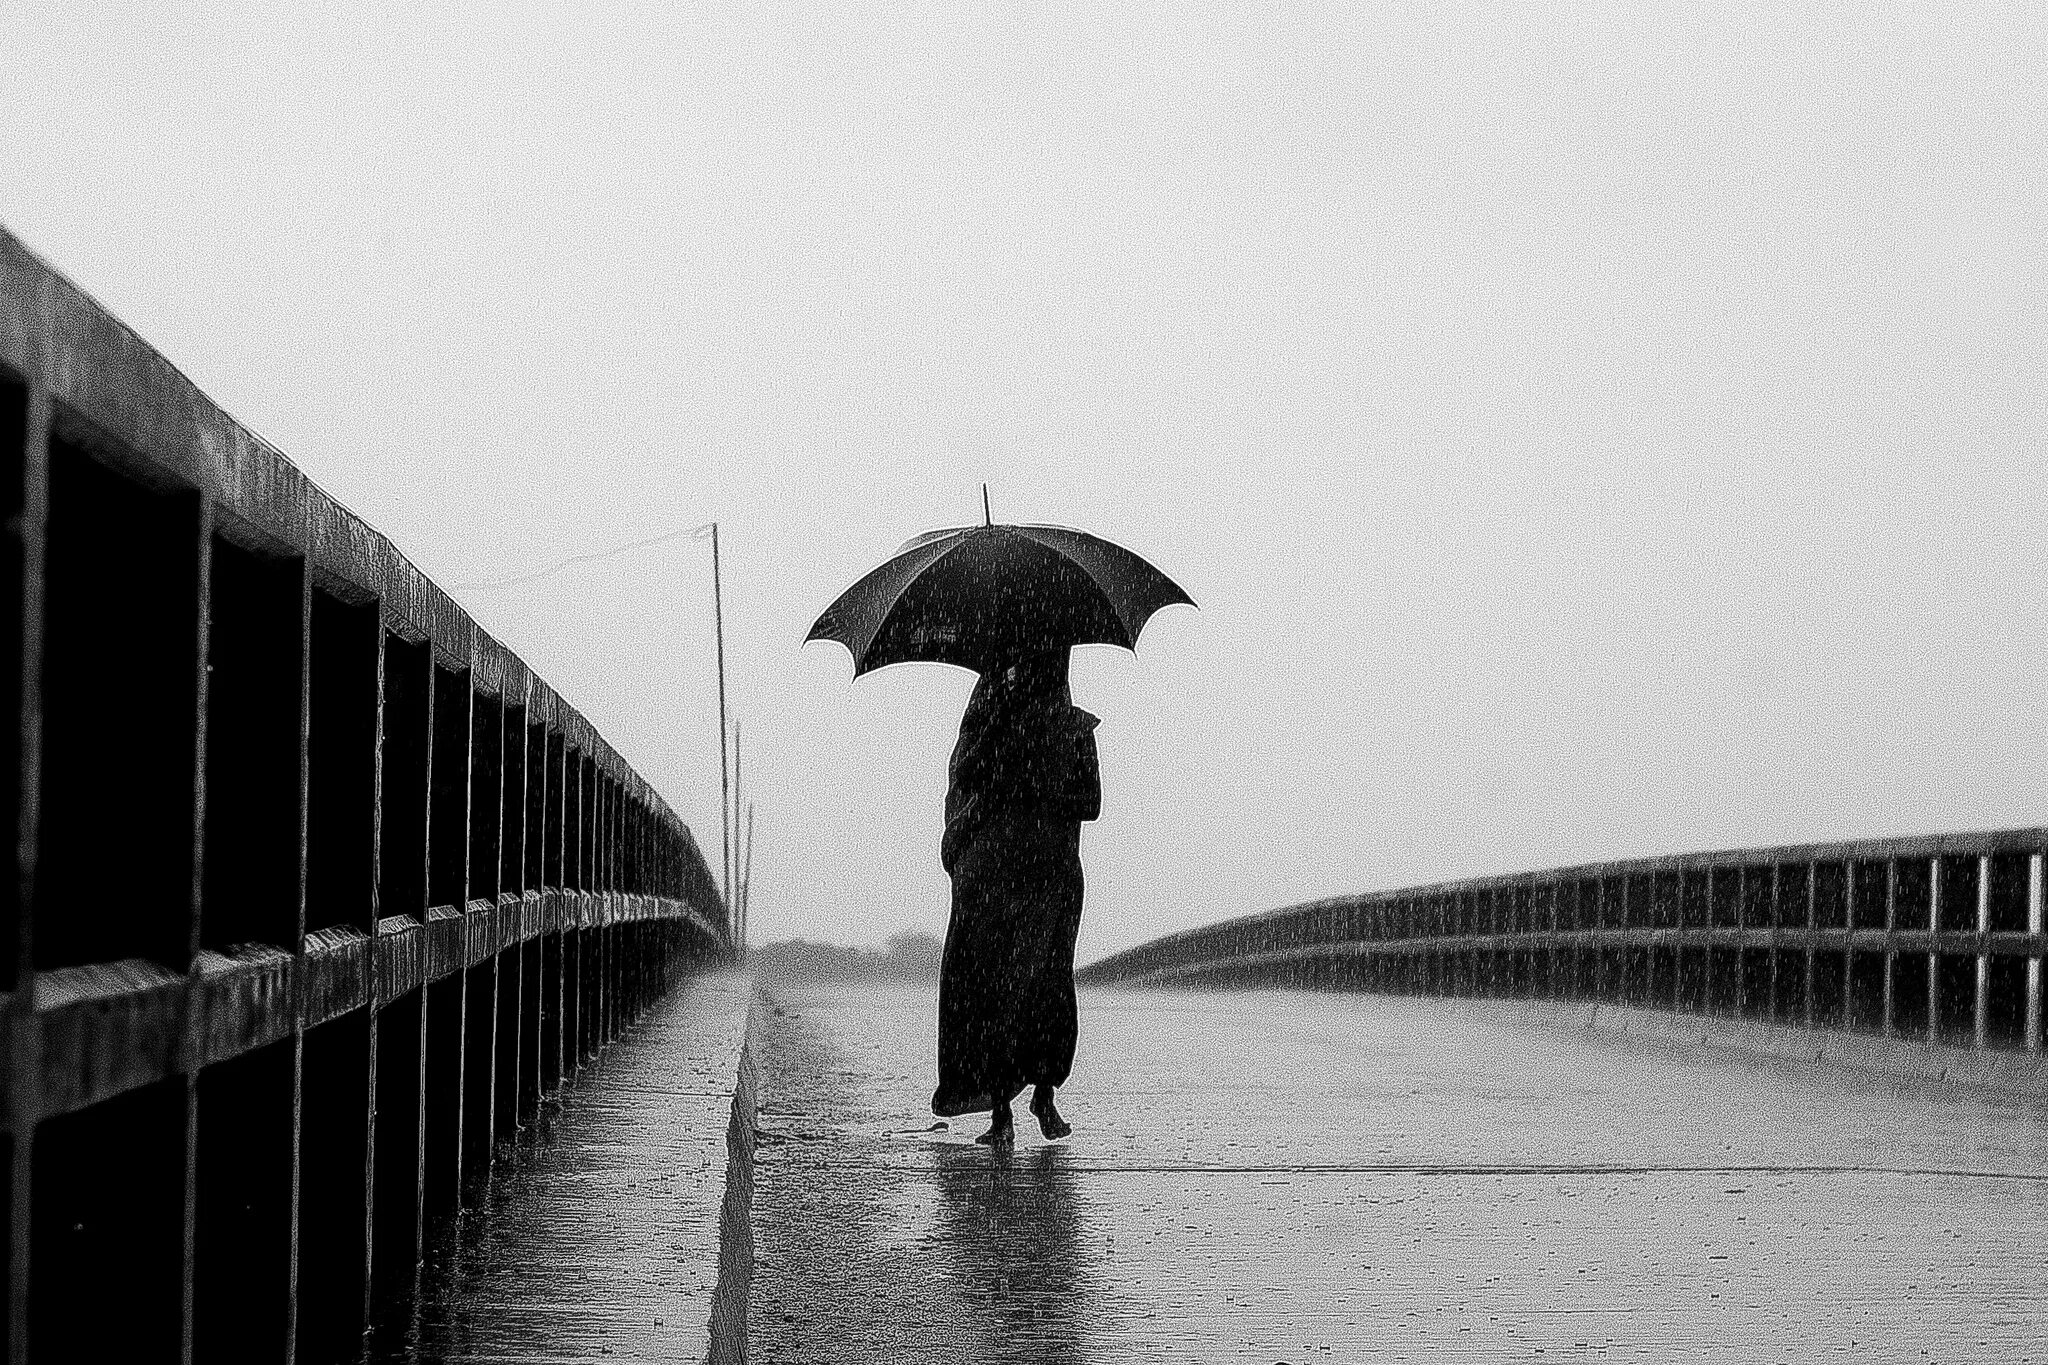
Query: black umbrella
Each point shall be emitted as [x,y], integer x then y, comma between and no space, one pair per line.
[974,595]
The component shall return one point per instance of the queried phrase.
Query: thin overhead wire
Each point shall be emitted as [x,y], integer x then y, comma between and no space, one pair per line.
[695,532]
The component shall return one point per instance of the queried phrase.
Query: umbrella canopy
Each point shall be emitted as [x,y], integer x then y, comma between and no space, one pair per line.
[977,594]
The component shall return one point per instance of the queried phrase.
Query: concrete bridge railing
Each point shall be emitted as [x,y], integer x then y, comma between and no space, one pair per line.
[318,891]
[1937,939]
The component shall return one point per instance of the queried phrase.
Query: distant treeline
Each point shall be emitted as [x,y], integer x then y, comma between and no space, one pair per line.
[908,956]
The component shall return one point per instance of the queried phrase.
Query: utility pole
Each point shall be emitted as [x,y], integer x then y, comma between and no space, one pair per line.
[739,881]
[747,877]
[724,771]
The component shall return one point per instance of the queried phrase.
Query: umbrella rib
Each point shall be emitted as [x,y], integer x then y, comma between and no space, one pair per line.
[1130,640]
[882,619]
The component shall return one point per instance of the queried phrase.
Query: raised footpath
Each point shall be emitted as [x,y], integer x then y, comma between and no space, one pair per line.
[619,1227]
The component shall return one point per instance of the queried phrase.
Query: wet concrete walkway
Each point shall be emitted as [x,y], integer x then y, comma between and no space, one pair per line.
[1283,1177]
[599,1238]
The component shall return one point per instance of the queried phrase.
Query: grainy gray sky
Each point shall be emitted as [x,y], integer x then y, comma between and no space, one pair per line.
[1589,430]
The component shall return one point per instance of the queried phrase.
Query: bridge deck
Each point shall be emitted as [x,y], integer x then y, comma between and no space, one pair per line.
[1295,1177]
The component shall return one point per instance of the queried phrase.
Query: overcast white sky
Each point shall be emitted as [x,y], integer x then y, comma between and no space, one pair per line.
[1590,430]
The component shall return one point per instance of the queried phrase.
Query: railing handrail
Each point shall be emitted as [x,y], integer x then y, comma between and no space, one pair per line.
[1984,843]
[92,384]
[319,891]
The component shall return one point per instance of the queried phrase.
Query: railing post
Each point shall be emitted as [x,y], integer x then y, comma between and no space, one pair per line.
[2033,1021]
[1586,951]
[424,904]
[1678,938]
[1716,888]
[1486,963]
[1982,1020]
[1625,952]
[450,780]
[1592,918]
[1934,950]
[375,1002]
[1848,940]
[24,1034]
[1889,1024]
[1743,1004]
[1773,988]
[303,879]
[1812,895]
[202,616]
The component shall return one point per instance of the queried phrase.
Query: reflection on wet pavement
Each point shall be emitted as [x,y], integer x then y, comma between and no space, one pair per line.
[1014,1225]
[1293,1177]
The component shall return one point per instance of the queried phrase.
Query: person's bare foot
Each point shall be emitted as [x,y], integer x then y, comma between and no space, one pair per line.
[1002,1131]
[1049,1121]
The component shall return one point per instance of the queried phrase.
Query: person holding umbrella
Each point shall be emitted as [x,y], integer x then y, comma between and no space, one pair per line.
[1007,602]
[1022,780]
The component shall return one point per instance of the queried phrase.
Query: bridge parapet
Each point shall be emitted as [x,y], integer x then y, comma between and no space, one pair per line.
[1938,938]
[319,890]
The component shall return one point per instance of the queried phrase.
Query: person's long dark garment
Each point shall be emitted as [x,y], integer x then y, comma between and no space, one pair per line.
[1023,778]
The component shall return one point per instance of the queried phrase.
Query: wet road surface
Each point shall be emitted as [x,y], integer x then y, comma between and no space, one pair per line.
[1286,1177]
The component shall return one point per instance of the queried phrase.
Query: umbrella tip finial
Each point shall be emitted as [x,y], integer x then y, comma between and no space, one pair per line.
[986,519]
